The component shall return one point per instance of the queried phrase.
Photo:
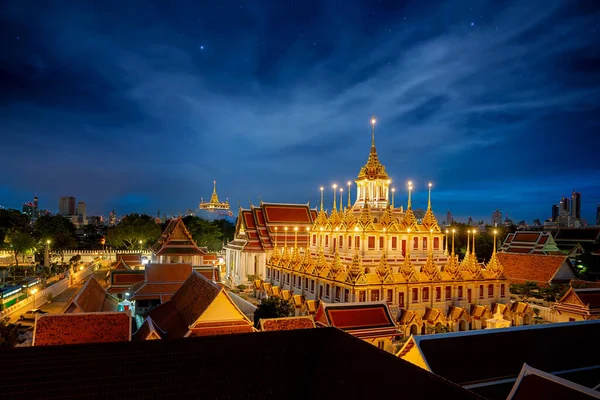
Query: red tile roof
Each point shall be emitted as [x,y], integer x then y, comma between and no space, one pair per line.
[57,329]
[92,297]
[283,324]
[520,268]
[161,273]
[364,320]
[287,213]
[526,237]
[187,305]
[130,259]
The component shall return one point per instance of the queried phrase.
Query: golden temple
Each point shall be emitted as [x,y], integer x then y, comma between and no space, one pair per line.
[214,205]
[371,250]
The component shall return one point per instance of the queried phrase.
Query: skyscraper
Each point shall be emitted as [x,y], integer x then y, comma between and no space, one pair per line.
[66,205]
[449,218]
[497,218]
[576,205]
[597,214]
[554,212]
[82,212]
[565,204]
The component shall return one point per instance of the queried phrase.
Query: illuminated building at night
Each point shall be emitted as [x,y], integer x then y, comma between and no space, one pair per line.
[214,205]
[371,250]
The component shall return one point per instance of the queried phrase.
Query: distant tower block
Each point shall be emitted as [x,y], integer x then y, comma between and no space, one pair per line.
[214,205]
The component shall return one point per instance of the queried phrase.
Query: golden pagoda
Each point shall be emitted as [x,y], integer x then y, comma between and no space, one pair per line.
[372,250]
[214,205]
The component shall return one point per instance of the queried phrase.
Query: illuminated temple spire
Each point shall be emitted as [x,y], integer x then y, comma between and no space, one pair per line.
[409,217]
[214,205]
[430,269]
[452,267]
[464,264]
[494,266]
[407,269]
[373,169]
[321,220]
[429,220]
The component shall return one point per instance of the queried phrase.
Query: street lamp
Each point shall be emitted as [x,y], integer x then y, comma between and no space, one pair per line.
[140,244]
[47,256]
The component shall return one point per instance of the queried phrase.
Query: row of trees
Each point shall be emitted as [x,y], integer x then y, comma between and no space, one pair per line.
[137,231]
[20,236]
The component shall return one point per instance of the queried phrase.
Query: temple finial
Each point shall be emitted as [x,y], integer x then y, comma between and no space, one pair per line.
[321,189]
[373,122]
[334,186]
[341,199]
[349,198]
[410,188]
[214,186]
[429,196]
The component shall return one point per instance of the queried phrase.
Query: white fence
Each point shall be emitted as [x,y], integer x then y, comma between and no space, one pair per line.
[546,313]
[55,289]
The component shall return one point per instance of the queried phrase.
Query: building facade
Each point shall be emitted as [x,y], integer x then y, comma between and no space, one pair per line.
[372,250]
[497,218]
[66,205]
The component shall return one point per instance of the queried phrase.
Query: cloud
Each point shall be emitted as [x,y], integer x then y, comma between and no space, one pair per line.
[283,105]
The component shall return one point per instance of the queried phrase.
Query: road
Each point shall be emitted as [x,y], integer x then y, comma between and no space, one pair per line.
[54,307]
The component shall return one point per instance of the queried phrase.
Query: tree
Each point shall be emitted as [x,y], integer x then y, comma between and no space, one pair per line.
[59,230]
[204,232]
[8,333]
[525,290]
[133,229]
[20,243]
[273,307]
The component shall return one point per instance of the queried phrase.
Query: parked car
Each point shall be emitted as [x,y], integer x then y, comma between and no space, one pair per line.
[30,315]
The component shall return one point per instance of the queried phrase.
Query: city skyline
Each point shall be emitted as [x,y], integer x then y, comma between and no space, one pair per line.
[141,110]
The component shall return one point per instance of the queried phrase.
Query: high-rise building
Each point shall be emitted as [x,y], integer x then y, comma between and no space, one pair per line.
[449,218]
[31,209]
[66,205]
[112,218]
[82,212]
[576,205]
[565,204]
[597,214]
[497,218]
[555,212]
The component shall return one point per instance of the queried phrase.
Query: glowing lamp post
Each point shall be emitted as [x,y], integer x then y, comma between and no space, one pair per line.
[33,292]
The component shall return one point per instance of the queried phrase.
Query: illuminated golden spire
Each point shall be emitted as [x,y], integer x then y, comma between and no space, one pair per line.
[349,195]
[373,169]
[446,244]
[429,220]
[383,268]
[355,267]
[321,220]
[430,269]
[341,200]
[214,198]
[334,186]
[393,196]
[285,257]
[336,264]
[295,253]
[407,269]
[452,267]
[410,188]
[464,264]
[494,266]
[275,256]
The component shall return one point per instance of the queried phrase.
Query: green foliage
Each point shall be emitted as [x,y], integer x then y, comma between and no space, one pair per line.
[272,307]
[12,220]
[59,230]
[210,234]
[8,333]
[76,258]
[133,228]
[20,243]
[525,290]
[242,287]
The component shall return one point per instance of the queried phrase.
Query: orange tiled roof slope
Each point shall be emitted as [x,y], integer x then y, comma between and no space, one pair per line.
[542,269]
[284,324]
[162,281]
[259,228]
[179,316]
[92,297]
[177,240]
[58,329]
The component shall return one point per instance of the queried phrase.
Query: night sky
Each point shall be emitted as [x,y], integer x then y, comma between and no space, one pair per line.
[140,105]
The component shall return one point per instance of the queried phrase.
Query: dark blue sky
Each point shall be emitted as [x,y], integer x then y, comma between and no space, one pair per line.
[140,105]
